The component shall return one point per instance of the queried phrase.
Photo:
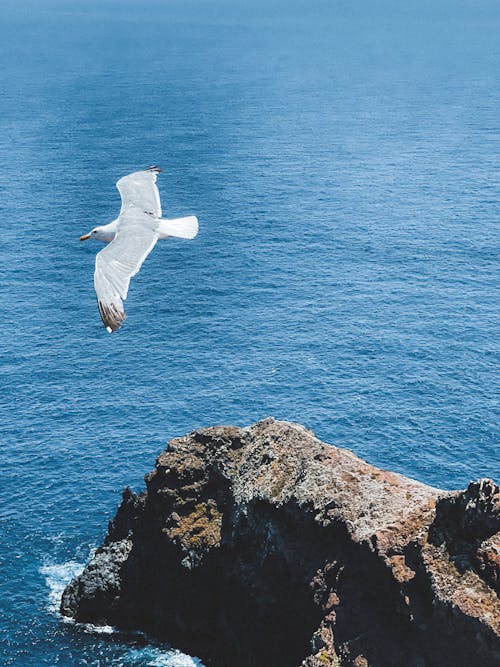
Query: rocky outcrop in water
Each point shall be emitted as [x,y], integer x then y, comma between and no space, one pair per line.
[266,547]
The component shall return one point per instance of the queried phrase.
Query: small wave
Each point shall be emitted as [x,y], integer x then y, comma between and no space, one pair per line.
[57,576]
[97,629]
[156,657]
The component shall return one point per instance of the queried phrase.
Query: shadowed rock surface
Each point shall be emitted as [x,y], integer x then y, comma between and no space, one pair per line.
[265,547]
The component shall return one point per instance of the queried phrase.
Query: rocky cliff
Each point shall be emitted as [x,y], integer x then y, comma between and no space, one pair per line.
[265,547]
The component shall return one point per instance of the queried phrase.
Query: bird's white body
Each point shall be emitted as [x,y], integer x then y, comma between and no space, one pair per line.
[182,228]
[130,238]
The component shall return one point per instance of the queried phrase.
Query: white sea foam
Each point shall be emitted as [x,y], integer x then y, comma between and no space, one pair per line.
[57,576]
[156,657]
[97,629]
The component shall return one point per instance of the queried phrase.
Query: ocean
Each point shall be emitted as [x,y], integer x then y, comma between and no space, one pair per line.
[342,158]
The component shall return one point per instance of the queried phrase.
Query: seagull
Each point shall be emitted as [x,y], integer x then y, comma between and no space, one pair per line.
[130,238]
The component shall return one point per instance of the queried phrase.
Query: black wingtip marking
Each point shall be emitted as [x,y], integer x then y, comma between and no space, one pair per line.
[111,317]
[156,168]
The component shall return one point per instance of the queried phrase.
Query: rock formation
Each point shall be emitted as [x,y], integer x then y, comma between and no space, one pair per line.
[264,547]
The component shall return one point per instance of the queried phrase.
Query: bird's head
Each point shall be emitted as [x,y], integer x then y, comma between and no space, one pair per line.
[95,233]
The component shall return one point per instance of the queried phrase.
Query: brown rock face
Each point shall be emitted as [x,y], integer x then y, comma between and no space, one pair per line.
[264,547]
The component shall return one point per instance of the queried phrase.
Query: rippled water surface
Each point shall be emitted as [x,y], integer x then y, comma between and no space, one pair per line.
[341,157]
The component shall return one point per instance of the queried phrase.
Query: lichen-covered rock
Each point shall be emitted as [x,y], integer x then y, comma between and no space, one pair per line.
[266,547]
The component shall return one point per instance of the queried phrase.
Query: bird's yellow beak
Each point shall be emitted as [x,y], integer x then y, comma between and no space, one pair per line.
[84,237]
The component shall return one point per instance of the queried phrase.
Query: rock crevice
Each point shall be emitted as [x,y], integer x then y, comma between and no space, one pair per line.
[265,546]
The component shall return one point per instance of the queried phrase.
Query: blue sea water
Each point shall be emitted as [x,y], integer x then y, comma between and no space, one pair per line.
[343,160]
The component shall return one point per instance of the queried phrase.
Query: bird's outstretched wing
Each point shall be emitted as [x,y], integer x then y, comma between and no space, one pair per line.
[118,262]
[139,189]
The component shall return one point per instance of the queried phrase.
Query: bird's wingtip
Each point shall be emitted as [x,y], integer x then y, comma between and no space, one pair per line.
[111,316]
[156,168]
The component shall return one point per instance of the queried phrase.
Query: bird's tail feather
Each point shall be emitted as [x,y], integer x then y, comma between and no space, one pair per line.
[182,228]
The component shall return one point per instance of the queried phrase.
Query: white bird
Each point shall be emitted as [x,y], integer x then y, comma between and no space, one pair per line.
[131,238]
